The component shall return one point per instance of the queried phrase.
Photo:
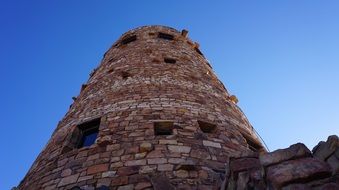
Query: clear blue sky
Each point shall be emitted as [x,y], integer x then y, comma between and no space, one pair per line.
[280,58]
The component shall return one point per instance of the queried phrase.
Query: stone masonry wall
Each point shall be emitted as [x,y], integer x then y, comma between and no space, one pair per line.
[152,74]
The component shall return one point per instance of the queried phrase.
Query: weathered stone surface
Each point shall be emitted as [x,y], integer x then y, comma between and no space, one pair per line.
[294,170]
[68,180]
[120,180]
[135,162]
[157,161]
[324,149]
[109,174]
[298,150]
[179,149]
[146,147]
[296,187]
[147,169]
[211,144]
[123,171]
[333,161]
[243,164]
[97,168]
[161,183]
[66,172]
[140,155]
[328,186]
[142,185]
[165,167]
[201,154]
[126,187]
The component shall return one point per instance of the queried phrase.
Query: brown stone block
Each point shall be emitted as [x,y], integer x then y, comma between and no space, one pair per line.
[121,180]
[125,171]
[242,164]
[97,168]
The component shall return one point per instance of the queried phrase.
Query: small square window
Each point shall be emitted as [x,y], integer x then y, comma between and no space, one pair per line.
[128,39]
[125,74]
[163,128]
[206,127]
[88,133]
[165,36]
[170,60]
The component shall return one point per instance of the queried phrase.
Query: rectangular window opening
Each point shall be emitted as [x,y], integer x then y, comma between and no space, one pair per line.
[252,144]
[163,128]
[128,39]
[170,60]
[207,127]
[165,36]
[88,133]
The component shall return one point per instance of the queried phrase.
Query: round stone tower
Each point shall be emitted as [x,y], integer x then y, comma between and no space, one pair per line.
[153,115]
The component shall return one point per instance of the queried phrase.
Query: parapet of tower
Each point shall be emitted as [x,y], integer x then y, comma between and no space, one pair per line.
[153,115]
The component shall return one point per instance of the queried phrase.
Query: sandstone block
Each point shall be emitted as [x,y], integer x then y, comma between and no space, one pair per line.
[108,174]
[66,172]
[298,150]
[147,169]
[157,161]
[97,168]
[126,187]
[181,173]
[146,147]
[142,185]
[68,180]
[211,144]
[135,162]
[140,155]
[165,141]
[165,167]
[179,149]
[124,171]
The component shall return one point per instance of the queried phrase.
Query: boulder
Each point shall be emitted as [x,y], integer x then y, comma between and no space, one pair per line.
[305,169]
[298,150]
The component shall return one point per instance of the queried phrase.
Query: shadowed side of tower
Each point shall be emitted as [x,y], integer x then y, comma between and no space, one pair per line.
[153,115]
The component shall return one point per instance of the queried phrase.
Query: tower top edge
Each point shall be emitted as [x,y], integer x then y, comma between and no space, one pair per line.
[151,27]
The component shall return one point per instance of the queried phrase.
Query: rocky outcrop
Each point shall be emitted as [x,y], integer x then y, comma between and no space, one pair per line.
[293,168]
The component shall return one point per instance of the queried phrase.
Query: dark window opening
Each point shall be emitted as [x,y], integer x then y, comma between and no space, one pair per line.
[198,50]
[88,133]
[110,71]
[165,36]
[76,188]
[125,74]
[252,144]
[163,128]
[128,39]
[207,127]
[170,60]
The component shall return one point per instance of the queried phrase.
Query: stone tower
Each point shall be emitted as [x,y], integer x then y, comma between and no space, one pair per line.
[153,115]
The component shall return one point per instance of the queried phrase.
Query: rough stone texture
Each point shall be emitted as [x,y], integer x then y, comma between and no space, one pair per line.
[297,170]
[325,149]
[298,150]
[136,85]
[293,168]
